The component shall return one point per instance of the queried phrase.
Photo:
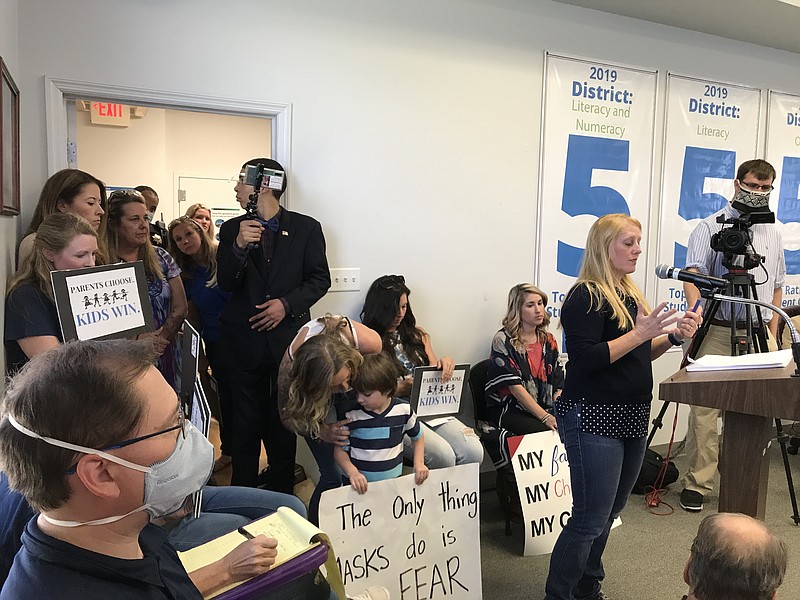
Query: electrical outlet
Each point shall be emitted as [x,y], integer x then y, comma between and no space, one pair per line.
[345,280]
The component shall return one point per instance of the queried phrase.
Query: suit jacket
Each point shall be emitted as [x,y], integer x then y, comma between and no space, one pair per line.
[298,272]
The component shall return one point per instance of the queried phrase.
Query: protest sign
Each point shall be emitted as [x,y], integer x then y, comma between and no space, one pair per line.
[545,491]
[432,397]
[418,541]
[103,302]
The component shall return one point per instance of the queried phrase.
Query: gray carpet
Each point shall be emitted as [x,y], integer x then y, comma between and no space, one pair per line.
[644,557]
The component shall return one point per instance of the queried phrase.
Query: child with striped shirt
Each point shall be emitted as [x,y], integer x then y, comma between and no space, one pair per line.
[375,450]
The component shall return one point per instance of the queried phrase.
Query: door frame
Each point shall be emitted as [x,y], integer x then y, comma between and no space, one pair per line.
[58,91]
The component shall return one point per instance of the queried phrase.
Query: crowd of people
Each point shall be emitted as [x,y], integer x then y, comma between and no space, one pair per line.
[343,386]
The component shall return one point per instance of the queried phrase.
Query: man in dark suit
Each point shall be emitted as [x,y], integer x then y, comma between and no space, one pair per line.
[275,266]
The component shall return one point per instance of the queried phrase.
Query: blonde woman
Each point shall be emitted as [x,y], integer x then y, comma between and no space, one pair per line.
[313,377]
[525,377]
[202,214]
[128,234]
[62,241]
[611,337]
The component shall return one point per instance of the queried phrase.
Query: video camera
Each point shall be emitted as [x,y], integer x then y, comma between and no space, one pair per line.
[736,242]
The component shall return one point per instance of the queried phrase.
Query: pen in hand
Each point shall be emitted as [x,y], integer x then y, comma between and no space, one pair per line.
[246,533]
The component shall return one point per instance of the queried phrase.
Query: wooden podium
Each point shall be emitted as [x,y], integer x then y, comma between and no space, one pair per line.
[751,399]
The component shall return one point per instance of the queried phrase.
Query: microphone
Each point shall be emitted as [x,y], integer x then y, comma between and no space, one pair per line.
[704,282]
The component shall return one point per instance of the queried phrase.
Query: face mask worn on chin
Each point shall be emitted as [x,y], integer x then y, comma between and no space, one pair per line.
[747,201]
[166,484]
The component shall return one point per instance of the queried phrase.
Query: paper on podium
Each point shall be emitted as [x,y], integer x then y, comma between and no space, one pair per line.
[757,360]
[295,536]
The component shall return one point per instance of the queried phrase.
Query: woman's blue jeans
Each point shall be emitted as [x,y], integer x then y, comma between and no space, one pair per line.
[603,471]
[330,477]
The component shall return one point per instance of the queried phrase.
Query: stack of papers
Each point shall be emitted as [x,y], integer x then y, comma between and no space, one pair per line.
[758,360]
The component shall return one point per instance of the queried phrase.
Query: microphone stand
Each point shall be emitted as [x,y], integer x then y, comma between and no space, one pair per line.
[781,436]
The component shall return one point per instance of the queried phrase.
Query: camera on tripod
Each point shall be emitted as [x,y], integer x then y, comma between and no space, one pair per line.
[736,242]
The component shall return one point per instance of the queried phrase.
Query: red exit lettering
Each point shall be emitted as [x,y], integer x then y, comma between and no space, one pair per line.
[105,109]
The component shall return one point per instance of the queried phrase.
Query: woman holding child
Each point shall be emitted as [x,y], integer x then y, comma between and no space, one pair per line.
[448,441]
[313,377]
[612,337]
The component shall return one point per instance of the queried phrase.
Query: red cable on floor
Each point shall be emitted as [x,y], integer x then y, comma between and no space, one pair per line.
[652,496]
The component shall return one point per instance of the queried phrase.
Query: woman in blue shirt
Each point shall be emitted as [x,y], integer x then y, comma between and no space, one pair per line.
[196,256]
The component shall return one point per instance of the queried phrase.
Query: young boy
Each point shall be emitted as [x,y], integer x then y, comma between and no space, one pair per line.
[375,452]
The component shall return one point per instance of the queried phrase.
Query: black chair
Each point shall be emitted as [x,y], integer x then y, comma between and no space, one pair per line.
[490,437]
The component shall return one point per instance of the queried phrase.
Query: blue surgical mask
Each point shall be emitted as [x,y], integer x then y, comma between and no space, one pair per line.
[167,484]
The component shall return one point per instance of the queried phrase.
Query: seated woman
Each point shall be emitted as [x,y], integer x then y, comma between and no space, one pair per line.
[202,214]
[68,191]
[63,241]
[313,377]
[524,377]
[197,258]
[448,442]
[128,234]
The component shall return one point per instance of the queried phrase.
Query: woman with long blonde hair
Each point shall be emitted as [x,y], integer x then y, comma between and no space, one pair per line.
[313,379]
[62,241]
[524,377]
[202,214]
[611,338]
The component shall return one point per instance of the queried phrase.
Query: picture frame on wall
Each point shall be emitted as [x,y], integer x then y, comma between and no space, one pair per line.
[9,142]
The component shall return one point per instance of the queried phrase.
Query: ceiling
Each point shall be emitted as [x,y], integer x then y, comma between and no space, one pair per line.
[772,23]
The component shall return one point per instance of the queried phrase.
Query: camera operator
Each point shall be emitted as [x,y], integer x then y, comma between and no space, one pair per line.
[762,253]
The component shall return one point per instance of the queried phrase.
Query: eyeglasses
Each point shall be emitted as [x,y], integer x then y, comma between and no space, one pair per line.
[391,282]
[756,187]
[181,425]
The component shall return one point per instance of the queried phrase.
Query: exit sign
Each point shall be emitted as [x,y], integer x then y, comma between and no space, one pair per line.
[110,113]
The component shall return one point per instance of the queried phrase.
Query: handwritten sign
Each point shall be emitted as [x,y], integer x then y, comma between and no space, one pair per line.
[419,542]
[432,397]
[545,489]
[542,472]
[103,302]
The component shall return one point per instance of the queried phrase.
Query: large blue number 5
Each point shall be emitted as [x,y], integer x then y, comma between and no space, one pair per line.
[580,197]
[789,206]
[700,164]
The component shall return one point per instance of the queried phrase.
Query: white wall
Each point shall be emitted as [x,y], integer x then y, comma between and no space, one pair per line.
[415,124]
[154,149]
[9,225]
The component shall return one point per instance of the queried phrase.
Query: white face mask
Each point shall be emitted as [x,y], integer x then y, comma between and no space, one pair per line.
[150,215]
[167,484]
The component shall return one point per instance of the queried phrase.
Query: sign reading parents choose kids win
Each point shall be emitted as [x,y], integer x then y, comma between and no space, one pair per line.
[103,302]
[418,541]
[597,158]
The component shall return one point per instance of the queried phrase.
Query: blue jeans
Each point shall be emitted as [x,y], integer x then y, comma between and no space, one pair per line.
[226,508]
[330,477]
[447,445]
[603,471]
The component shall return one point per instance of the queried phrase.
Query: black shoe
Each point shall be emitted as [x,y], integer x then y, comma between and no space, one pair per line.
[691,501]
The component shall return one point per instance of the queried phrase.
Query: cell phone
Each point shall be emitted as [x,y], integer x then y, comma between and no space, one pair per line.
[272,178]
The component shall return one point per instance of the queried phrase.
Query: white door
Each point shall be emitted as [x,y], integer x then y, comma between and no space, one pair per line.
[215,192]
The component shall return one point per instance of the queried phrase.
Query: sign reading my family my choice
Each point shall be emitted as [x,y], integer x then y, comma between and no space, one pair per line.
[596,158]
[103,302]
[418,541]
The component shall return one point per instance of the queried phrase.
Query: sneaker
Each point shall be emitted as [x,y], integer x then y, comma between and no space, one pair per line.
[691,501]
[374,592]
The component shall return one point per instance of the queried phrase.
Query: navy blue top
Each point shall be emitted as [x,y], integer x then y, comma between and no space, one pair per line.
[29,313]
[14,514]
[210,301]
[50,568]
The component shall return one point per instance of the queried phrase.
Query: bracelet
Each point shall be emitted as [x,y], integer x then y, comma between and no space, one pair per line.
[546,418]
[674,340]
